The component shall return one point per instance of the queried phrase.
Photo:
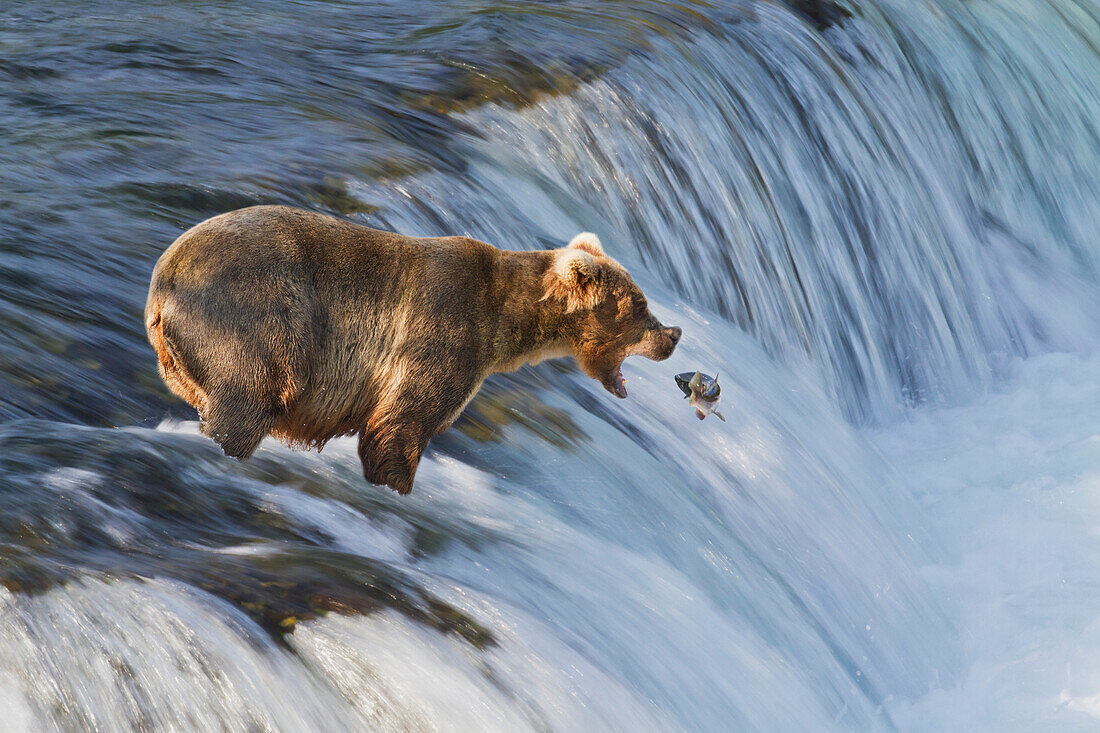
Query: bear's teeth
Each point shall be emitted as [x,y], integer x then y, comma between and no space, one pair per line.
[620,385]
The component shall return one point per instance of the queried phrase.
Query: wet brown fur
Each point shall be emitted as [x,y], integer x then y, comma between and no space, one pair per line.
[273,320]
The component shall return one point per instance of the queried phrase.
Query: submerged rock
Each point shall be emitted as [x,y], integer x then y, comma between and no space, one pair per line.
[85,502]
[822,13]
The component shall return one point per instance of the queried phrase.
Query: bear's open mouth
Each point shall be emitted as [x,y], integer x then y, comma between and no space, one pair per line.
[619,384]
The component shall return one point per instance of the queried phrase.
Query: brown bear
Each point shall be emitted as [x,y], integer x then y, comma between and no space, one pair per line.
[274,320]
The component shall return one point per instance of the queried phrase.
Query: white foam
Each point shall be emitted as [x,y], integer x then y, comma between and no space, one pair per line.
[1012,484]
[119,655]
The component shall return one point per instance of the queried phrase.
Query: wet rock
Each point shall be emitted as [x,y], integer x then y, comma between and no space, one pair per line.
[507,401]
[332,195]
[78,502]
[822,13]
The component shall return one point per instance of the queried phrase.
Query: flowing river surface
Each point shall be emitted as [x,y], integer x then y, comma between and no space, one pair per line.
[875,219]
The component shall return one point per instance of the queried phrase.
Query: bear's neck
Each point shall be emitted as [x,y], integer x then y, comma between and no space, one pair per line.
[529,328]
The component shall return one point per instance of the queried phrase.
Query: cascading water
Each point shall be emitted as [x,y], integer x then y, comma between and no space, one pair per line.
[860,227]
[829,195]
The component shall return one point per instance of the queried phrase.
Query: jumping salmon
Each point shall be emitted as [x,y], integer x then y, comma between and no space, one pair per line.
[703,391]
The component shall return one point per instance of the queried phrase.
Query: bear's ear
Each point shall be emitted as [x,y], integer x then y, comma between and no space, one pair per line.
[574,277]
[587,242]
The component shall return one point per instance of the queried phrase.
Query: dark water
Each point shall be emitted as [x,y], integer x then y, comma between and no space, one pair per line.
[861,213]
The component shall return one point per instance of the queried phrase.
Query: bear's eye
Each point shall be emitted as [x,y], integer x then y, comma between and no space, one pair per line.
[640,309]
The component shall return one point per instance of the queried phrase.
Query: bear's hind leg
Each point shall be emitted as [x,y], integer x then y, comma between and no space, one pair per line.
[237,420]
[247,375]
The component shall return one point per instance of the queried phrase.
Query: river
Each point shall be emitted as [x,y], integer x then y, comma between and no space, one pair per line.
[876,222]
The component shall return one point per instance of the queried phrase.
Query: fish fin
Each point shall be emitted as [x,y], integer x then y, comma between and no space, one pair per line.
[719,416]
[699,413]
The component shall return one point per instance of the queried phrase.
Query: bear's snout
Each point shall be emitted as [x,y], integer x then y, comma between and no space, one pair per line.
[667,343]
[658,343]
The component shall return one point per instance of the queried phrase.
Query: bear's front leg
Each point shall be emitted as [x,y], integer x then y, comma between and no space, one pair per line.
[390,454]
[421,405]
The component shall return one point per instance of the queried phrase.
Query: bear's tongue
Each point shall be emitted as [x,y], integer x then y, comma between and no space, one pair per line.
[620,384]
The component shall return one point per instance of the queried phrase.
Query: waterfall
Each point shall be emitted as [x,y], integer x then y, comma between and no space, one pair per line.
[879,233]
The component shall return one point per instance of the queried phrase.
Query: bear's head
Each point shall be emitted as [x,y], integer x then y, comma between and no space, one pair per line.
[607,315]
